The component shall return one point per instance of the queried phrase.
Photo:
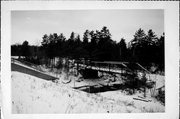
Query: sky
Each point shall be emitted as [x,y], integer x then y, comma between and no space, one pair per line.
[32,25]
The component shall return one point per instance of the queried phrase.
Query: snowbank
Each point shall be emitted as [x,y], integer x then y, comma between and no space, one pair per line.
[33,95]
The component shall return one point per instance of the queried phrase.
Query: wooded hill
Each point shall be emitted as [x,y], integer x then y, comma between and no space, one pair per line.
[145,48]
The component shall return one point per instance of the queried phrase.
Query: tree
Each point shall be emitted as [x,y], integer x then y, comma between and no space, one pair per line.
[105,44]
[72,37]
[98,45]
[45,40]
[77,41]
[70,45]
[151,37]
[45,44]
[61,38]
[61,45]
[85,44]
[25,49]
[49,46]
[16,50]
[151,47]
[137,45]
[146,50]
[122,50]
[160,53]
[139,38]
[93,44]
[77,52]
[94,37]
[105,34]
[86,36]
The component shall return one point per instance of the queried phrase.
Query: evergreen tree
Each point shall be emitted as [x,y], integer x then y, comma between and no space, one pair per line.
[122,50]
[61,45]
[93,44]
[137,43]
[160,57]
[45,41]
[25,49]
[105,44]
[98,45]
[151,37]
[85,43]
[139,38]
[77,41]
[150,47]
[86,36]
[70,44]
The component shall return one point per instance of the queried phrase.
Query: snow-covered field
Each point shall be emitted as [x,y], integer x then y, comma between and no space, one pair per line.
[34,95]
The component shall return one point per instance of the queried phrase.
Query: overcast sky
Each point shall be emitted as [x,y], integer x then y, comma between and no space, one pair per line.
[32,25]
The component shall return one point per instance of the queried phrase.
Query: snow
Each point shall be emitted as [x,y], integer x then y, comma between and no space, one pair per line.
[159,79]
[34,95]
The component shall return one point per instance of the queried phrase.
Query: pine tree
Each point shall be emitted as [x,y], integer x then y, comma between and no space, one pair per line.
[122,50]
[25,49]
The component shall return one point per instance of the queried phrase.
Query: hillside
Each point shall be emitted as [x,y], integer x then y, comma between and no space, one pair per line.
[34,95]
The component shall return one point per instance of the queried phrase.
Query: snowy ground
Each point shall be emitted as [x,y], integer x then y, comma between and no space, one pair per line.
[34,95]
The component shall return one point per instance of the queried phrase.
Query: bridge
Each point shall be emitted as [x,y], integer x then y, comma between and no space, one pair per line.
[111,67]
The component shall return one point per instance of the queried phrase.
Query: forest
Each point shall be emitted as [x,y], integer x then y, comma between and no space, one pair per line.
[97,45]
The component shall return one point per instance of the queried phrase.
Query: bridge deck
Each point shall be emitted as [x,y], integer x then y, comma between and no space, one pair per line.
[113,66]
[101,69]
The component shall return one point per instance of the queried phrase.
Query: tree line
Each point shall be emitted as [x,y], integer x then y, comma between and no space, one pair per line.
[145,48]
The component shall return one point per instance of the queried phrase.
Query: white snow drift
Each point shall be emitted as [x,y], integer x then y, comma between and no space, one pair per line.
[34,95]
